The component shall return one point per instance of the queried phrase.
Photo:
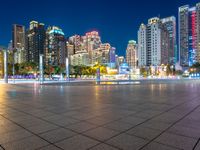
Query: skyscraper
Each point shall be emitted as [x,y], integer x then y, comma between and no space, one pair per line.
[35,41]
[55,52]
[112,57]
[91,42]
[189,35]
[142,46]
[18,43]
[169,24]
[153,43]
[131,54]
[76,41]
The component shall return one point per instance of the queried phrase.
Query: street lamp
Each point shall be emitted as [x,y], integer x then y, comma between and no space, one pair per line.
[5,66]
[13,65]
[41,69]
[98,72]
[67,69]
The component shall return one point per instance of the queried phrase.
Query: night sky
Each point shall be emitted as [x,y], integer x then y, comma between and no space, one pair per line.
[116,20]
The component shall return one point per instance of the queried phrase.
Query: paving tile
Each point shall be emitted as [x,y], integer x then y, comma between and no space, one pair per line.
[99,121]
[156,125]
[145,133]
[9,128]
[41,128]
[63,121]
[133,120]
[77,143]
[127,142]
[176,141]
[103,147]
[101,133]
[30,143]
[168,117]
[49,147]
[57,135]
[14,136]
[157,146]
[185,131]
[81,126]
[118,126]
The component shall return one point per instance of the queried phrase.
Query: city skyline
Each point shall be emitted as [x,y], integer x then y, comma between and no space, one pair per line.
[114,23]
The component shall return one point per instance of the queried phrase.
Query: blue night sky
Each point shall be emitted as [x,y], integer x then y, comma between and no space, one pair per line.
[116,20]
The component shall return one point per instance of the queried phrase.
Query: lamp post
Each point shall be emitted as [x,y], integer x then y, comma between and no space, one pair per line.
[13,65]
[5,66]
[41,70]
[67,69]
[98,72]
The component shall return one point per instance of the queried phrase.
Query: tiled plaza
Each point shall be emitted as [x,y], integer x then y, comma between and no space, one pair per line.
[107,117]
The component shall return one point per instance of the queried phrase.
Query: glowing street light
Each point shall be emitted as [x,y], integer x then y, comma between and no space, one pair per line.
[5,66]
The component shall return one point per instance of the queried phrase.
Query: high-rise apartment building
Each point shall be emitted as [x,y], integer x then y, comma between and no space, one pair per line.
[169,24]
[55,52]
[18,43]
[91,42]
[153,43]
[142,46]
[131,54]
[112,57]
[76,41]
[80,58]
[35,41]
[189,35]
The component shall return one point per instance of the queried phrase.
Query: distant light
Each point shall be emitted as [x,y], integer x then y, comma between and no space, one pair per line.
[54,31]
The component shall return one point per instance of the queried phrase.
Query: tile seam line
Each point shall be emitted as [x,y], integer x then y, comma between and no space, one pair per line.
[97,127]
[63,127]
[195,146]
[2,147]
[30,132]
[170,127]
[145,121]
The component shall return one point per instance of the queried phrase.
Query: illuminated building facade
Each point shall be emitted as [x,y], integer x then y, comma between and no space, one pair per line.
[112,57]
[91,42]
[169,24]
[153,43]
[80,58]
[35,41]
[121,60]
[142,46]
[189,35]
[76,41]
[55,52]
[18,43]
[131,54]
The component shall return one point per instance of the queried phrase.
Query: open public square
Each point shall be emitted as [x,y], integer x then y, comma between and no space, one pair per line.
[84,116]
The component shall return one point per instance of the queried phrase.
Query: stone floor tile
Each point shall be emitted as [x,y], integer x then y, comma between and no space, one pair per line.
[77,143]
[101,133]
[176,141]
[81,127]
[157,146]
[57,135]
[30,143]
[145,133]
[103,147]
[127,142]
[14,136]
